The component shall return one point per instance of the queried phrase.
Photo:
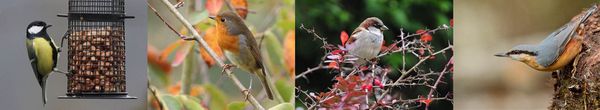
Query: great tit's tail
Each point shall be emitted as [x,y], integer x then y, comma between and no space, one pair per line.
[44,92]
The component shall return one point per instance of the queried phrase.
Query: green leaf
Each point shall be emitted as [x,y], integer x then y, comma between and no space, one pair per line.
[170,102]
[157,77]
[197,16]
[218,100]
[285,89]
[188,71]
[274,56]
[237,105]
[193,11]
[283,106]
[191,103]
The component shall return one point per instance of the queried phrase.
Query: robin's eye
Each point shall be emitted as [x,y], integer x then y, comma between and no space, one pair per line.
[222,19]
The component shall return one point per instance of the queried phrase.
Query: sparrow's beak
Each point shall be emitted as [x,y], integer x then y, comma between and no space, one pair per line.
[212,17]
[384,27]
[501,54]
[48,26]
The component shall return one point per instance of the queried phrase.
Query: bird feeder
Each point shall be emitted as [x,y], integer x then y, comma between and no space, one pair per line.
[96,50]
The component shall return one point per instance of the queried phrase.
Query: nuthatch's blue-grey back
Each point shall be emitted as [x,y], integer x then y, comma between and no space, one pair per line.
[554,52]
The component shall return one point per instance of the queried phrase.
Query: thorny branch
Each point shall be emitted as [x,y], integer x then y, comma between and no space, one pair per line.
[403,46]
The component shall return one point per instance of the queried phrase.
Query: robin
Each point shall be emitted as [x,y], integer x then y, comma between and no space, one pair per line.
[240,47]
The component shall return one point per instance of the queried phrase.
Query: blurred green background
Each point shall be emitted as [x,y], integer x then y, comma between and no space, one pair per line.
[485,27]
[330,17]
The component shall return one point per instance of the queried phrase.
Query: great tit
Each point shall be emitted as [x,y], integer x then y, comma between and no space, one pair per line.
[43,54]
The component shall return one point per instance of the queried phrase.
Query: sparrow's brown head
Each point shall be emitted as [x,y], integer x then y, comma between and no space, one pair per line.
[373,22]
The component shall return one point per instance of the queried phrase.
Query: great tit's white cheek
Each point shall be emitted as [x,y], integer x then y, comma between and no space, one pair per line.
[35,29]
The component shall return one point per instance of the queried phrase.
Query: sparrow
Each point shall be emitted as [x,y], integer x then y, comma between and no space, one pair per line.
[240,47]
[43,54]
[366,40]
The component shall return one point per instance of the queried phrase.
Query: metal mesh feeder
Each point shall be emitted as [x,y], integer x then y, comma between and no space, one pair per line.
[96,49]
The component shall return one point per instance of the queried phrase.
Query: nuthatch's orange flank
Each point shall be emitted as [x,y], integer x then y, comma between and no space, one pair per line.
[554,52]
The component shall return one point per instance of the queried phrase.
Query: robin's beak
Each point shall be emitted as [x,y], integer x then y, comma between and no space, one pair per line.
[212,17]
[501,54]
[383,28]
[48,26]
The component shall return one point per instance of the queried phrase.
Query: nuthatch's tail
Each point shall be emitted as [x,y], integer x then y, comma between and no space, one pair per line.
[589,13]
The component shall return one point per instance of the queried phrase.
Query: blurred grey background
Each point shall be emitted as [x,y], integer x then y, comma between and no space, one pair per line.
[18,87]
[485,27]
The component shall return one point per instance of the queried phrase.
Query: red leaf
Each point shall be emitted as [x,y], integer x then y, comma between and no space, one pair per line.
[426,101]
[211,37]
[344,37]
[383,47]
[378,83]
[164,54]
[432,57]
[182,53]
[363,68]
[452,23]
[153,58]
[421,31]
[367,87]
[213,6]
[425,36]
[336,52]
[241,6]
[333,65]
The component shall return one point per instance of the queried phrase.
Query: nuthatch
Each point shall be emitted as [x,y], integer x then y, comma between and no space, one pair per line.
[554,52]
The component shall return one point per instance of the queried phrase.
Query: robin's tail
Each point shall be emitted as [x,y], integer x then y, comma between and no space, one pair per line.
[263,78]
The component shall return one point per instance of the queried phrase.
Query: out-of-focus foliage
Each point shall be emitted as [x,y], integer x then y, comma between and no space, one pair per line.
[170,58]
[330,17]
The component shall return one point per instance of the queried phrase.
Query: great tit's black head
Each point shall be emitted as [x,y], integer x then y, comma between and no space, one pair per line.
[373,22]
[36,27]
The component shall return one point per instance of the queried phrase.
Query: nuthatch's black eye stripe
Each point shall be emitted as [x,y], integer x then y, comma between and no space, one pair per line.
[521,52]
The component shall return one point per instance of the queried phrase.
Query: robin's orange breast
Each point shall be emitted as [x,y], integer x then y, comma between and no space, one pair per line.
[226,41]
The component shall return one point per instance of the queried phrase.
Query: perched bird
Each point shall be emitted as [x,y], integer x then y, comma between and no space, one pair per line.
[240,47]
[554,52]
[42,52]
[366,40]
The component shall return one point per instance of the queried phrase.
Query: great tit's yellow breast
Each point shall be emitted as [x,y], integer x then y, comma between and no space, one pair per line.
[43,51]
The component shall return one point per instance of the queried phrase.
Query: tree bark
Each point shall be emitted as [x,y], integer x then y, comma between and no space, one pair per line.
[577,86]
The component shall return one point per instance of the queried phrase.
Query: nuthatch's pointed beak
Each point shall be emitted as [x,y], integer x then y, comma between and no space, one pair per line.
[212,17]
[501,54]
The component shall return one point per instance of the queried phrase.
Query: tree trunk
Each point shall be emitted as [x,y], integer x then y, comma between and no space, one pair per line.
[578,86]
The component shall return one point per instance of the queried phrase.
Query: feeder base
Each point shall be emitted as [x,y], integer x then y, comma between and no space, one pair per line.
[97,96]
